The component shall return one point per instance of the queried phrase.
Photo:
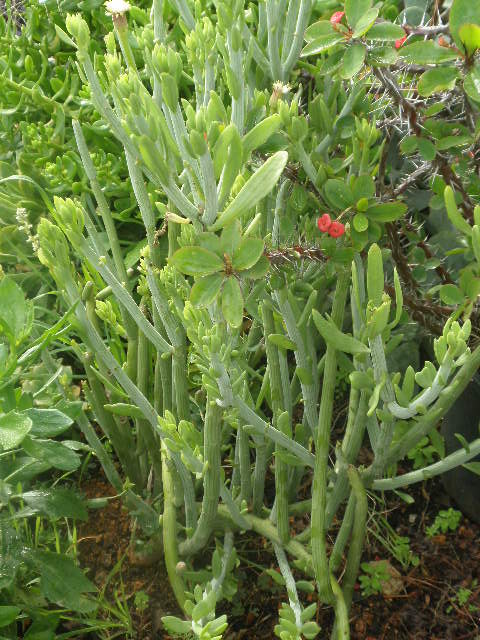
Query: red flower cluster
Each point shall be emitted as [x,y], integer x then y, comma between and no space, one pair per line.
[399,42]
[336,17]
[334,228]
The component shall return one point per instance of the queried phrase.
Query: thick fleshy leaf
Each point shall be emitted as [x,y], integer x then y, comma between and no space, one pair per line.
[259,185]
[435,80]
[196,261]
[353,60]
[247,254]
[426,52]
[232,302]
[260,133]
[387,211]
[321,44]
[355,10]
[47,423]
[13,429]
[463,12]
[52,453]
[206,289]
[375,275]
[333,336]
[385,31]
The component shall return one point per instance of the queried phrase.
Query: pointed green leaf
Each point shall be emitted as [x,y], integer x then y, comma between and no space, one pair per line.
[196,261]
[57,503]
[13,429]
[260,133]
[333,336]
[16,313]
[8,614]
[232,302]
[322,43]
[206,289]
[61,580]
[281,341]
[259,270]
[247,254]
[259,185]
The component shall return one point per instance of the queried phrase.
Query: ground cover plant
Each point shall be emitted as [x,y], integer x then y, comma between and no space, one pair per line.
[302,193]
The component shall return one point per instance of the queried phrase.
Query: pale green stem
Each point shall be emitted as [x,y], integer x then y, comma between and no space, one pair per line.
[319,488]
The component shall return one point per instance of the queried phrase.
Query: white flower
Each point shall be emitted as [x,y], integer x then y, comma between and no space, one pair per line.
[117,7]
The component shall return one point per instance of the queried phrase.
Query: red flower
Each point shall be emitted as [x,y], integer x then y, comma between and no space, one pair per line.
[399,43]
[336,229]
[324,223]
[336,17]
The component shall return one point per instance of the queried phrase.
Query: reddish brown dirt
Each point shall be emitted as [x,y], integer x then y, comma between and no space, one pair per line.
[425,608]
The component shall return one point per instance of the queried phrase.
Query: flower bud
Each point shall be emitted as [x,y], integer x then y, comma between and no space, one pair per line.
[324,222]
[336,229]
[78,28]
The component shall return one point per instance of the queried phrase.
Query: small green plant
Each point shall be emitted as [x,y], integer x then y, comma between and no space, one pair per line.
[141,601]
[398,546]
[445,521]
[374,575]
[462,598]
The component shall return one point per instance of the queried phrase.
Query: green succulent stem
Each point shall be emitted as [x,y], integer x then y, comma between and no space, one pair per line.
[319,493]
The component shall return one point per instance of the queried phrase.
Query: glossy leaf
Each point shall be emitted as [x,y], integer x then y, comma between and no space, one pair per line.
[256,188]
[48,423]
[365,23]
[387,211]
[426,52]
[196,261]
[338,194]
[247,254]
[14,427]
[469,35]
[385,31]
[355,10]
[321,44]
[232,302]
[463,12]
[319,29]
[206,289]
[353,60]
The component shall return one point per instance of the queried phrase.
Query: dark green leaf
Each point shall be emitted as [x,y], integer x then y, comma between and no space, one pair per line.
[385,31]
[61,580]
[333,336]
[338,194]
[355,10]
[353,60]
[426,52]
[57,503]
[8,614]
[47,423]
[436,80]
[52,453]
[321,44]
[463,12]
[16,313]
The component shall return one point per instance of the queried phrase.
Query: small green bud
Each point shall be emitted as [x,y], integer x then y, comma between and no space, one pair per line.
[198,143]
[169,91]
[78,28]
[70,216]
